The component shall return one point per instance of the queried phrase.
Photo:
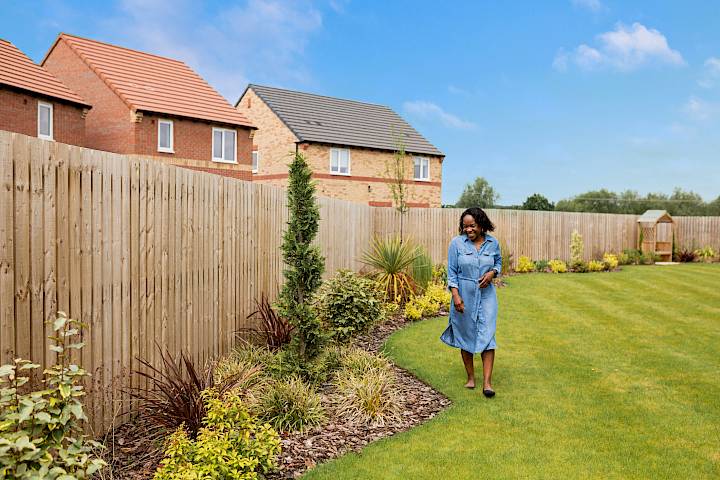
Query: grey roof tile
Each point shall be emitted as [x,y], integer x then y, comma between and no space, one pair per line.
[316,118]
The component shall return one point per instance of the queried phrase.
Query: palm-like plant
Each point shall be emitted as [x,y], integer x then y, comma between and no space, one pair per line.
[390,258]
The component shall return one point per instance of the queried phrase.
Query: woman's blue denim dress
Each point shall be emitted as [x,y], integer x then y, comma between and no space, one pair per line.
[474,329]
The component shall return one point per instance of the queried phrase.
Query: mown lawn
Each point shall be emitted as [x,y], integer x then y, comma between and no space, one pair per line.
[603,375]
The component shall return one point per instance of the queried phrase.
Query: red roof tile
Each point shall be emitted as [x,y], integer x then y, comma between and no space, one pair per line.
[151,83]
[17,70]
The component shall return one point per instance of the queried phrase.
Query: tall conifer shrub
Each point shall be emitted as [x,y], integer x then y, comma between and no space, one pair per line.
[305,264]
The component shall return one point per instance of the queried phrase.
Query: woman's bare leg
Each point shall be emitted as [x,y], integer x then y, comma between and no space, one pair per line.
[488,358]
[467,359]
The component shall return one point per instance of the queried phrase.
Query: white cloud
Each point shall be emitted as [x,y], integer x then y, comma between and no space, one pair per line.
[698,109]
[594,6]
[711,73]
[431,111]
[622,49]
[257,40]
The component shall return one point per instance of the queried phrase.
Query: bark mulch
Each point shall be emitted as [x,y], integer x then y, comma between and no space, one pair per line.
[134,454]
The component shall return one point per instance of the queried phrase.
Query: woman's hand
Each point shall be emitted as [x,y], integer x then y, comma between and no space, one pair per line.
[459,305]
[486,279]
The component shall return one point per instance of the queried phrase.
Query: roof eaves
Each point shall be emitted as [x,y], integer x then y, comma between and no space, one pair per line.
[299,137]
[188,117]
[47,95]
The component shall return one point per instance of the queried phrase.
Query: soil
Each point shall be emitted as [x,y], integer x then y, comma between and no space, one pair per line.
[134,454]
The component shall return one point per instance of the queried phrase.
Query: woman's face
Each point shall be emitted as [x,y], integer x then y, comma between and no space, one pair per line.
[471,228]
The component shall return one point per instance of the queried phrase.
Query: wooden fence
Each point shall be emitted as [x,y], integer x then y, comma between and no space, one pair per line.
[145,253]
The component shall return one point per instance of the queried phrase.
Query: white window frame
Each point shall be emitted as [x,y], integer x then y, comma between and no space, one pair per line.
[171,148]
[255,161]
[420,160]
[338,172]
[49,106]
[222,145]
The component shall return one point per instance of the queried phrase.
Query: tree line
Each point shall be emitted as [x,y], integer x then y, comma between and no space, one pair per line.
[680,202]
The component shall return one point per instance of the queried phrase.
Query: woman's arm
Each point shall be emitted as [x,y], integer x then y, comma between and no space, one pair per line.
[453,272]
[498,262]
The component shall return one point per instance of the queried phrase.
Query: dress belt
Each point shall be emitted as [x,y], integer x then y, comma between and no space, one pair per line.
[467,278]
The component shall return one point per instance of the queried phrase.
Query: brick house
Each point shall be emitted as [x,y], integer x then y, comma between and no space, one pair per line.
[36,103]
[148,105]
[348,145]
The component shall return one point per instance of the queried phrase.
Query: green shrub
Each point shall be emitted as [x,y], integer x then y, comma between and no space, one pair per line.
[368,398]
[525,265]
[422,268]
[356,361]
[579,266]
[596,266]
[623,258]
[705,254]
[440,274]
[634,257]
[611,261]
[230,445]
[291,405]
[541,265]
[507,257]
[557,266]
[390,260]
[576,247]
[41,433]
[287,363]
[649,258]
[248,379]
[348,304]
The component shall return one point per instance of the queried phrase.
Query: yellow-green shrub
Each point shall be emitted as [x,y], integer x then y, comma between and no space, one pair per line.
[428,304]
[557,266]
[596,266]
[439,296]
[525,265]
[230,445]
[413,311]
[611,261]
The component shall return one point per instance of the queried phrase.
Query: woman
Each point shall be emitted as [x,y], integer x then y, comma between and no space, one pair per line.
[473,261]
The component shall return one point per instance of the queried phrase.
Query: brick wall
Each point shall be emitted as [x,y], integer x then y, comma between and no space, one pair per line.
[107,125]
[192,144]
[274,141]
[19,113]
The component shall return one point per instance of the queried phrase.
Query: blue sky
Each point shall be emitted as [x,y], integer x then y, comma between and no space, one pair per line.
[554,97]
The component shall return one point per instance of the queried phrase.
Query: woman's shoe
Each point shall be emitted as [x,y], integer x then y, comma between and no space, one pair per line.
[489,392]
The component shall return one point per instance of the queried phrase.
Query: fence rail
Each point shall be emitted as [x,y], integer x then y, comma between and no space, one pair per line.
[145,253]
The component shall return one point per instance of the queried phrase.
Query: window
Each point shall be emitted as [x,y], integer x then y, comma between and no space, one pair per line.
[223,148]
[45,121]
[340,161]
[165,136]
[255,161]
[422,168]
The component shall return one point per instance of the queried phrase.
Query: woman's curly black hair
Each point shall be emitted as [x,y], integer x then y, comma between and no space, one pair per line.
[480,217]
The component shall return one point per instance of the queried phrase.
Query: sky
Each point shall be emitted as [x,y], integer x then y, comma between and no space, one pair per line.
[557,97]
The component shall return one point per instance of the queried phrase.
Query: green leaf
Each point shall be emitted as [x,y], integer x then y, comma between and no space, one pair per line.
[57,348]
[59,323]
[6,370]
[65,390]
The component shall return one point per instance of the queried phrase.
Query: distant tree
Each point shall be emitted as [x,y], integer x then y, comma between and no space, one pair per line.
[395,173]
[713,208]
[537,202]
[683,202]
[478,194]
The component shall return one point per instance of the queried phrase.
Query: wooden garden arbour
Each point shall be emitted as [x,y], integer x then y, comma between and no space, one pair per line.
[656,229]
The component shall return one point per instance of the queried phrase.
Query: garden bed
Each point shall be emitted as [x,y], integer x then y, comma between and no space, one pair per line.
[133,454]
